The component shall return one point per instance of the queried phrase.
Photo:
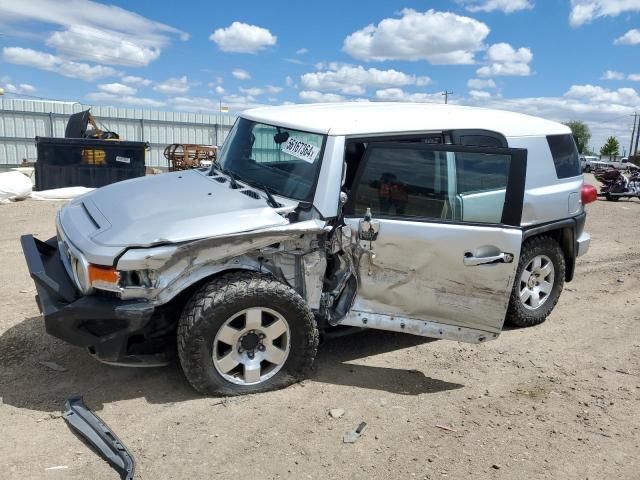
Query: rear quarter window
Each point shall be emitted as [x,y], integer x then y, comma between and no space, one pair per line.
[565,155]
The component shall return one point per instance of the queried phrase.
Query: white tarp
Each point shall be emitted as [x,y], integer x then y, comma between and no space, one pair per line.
[14,186]
[66,193]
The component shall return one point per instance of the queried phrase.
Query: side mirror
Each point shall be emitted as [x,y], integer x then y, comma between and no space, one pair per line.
[368,228]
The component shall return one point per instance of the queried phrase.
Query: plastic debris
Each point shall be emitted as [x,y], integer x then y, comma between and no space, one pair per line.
[353,435]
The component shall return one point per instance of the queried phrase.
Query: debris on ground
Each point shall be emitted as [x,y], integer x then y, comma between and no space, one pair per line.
[336,412]
[353,435]
[52,366]
[444,427]
[98,435]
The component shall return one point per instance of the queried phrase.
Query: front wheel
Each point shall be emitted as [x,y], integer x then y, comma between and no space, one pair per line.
[246,333]
[539,282]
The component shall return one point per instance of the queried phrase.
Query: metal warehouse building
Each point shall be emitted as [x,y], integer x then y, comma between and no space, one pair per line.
[23,120]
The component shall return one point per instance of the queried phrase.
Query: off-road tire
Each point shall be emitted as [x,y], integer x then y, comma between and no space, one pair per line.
[215,302]
[517,314]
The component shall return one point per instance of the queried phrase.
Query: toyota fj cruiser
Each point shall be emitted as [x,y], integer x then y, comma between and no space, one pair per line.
[432,220]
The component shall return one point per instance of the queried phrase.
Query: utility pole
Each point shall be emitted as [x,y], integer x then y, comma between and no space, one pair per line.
[446,94]
[633,132]
[635,151]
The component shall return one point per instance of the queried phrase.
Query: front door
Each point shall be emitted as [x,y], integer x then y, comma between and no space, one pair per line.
[443,239]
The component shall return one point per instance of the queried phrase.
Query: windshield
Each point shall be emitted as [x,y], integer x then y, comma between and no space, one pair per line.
[283,160]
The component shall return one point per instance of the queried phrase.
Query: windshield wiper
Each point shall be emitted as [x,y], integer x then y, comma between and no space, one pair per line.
[271,201]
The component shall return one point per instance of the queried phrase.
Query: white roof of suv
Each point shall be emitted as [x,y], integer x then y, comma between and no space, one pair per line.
[362,118]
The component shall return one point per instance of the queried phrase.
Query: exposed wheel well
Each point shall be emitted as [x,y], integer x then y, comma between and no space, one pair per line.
[174,307]
[565,236]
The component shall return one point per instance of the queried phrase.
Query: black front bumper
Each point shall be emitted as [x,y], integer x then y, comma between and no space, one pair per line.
[102,322]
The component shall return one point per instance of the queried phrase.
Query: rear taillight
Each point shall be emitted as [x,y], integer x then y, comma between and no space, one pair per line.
[588,193]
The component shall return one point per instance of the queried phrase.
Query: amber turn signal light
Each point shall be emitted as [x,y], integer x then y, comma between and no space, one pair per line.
[101,273]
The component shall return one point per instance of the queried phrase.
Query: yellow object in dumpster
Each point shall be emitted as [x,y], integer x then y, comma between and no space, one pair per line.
[93,156]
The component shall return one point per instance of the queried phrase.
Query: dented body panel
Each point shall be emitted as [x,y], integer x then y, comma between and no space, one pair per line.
[416,270]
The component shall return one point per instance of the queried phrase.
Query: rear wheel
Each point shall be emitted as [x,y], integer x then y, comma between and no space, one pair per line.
[246,333]
[539,282]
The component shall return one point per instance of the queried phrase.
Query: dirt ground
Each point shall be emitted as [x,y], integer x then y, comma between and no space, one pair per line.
[558,401]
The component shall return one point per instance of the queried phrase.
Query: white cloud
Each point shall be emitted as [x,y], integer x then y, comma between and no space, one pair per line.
[302,51]
[243,38]
[117,89]
[506,61]
[438,37]
[634,77]
[312,96]
[235,103]
[288,81]
[174,86]
[607,112]
[87,43]
[219,90]
[632,37]
[612,75]
[22,88]
[295,61]
[399,95]
[111,98]
[354,80]
[479,83]
[596,94]
[53,63]
[240,74]
[253,91]
[479,94]
[585,11]
[272,89]
[93,31]
[137,81]
[506,6]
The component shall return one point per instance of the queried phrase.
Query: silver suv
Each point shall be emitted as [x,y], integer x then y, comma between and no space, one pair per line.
[431,220]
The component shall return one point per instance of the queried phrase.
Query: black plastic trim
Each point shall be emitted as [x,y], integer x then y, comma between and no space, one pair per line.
[99,436]
[66,313]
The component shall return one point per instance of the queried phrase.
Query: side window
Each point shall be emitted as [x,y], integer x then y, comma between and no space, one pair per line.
[430,184]
[404,182]
[479,172]
[565,155]
[481,182]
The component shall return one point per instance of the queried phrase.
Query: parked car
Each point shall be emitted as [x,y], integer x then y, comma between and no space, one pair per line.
[585,162]
[604,163]
[432,220]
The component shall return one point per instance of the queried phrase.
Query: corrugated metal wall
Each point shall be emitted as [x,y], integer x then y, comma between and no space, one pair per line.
[22,120]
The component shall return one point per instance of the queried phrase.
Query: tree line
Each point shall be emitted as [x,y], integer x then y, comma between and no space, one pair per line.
[582,135]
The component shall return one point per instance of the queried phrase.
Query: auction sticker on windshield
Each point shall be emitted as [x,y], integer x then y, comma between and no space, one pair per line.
[300,149]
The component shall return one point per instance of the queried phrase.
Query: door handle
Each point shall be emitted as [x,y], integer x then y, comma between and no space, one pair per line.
[470,261]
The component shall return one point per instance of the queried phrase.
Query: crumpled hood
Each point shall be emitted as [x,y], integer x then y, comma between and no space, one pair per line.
[168,208]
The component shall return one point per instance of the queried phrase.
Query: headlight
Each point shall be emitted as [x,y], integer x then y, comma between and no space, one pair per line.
[80,274]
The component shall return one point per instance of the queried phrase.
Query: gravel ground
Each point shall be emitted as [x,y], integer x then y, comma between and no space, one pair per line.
[560,400]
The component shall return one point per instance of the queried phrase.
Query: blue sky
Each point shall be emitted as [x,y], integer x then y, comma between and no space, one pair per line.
[560,59]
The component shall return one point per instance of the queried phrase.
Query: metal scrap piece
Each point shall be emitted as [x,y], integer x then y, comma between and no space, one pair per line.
[93,430]
[353,435]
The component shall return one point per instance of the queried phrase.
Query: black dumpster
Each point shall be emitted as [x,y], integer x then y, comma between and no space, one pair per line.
[85,162]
